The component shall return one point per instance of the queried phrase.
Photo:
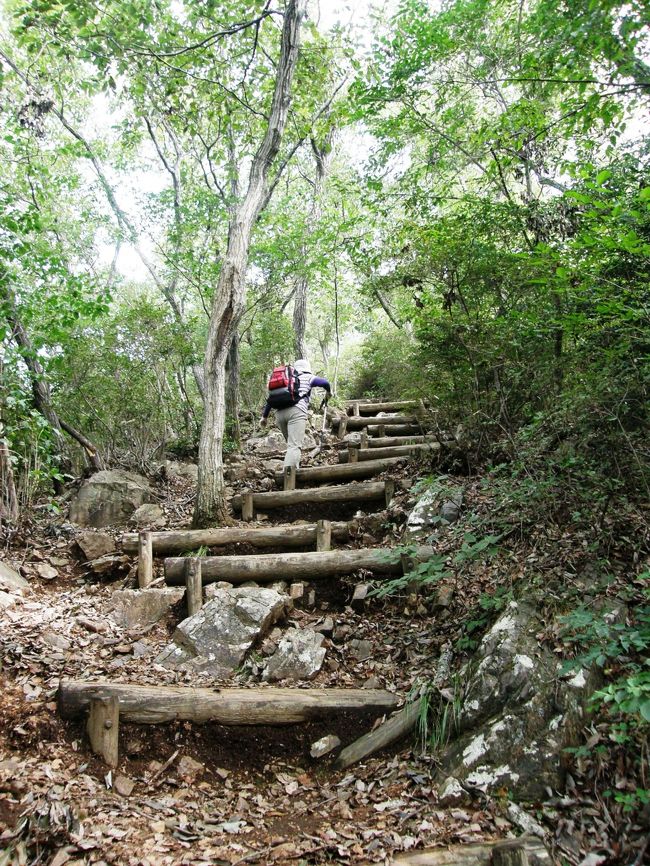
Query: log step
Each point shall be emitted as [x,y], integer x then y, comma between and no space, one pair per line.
[314,474]
[292,566]
[366,407]
[354,492]
[396,441]
[399,452]
[288,535]
[358,422]
[255,706]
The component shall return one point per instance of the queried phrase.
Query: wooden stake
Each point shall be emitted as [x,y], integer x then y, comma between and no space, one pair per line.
[389,491]
[324,535]
[289,477]
[353,452]
[343,426]
[381,430]
[355,409]
[193,586]
[247,505]
[145,559]
[364,438]
[104,727]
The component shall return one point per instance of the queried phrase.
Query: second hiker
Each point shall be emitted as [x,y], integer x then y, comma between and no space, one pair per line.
[289,391]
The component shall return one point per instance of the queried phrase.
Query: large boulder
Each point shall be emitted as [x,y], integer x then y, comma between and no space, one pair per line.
[299,656]
[109,497]
[217,638]
[273,441]
[142,607]
[517,714]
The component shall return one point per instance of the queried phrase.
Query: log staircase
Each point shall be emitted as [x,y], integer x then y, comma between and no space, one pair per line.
[371,453]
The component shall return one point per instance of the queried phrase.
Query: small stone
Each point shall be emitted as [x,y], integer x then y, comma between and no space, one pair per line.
[333,665]
[372,683]
[56,641]
[341,633]
[452,793]
[46,571]
[7,600]
[326,627]
[360,649]
[188,769]
[444,596]
[310,601]
[222,774]
[123,785]
[10,580]
[95,544]
[297,591]
[149,515]
[359,596]
[324,746]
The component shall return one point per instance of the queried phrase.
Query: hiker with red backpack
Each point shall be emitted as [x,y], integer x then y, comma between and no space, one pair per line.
[288,392]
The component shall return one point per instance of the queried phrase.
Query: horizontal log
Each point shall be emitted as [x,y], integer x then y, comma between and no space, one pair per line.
[362,491]
[257,706]
[358,422]
[396,441]
[179,541]
[292,566]
[394,728]
[332,472]
[531,851]
[370,408]
[370,455]
[395,429]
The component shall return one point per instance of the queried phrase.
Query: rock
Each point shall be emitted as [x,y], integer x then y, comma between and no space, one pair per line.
[299,656]
[443,597]
[372,683]
[217,638]
[360,649]
[273,466]
[10,580]
[95,544]
[123,785]
[359,596]
[450,509]
[44,570]
[108,497]
[189,770]
[7,600]
[326,627]
[308,442]
[148,516]
[427,513]
[173,469]
[517,715]
[324,746]
[109,563]
[55,640]
[525,821]
[142,607]
[268,444]
[236,472]
[297,592]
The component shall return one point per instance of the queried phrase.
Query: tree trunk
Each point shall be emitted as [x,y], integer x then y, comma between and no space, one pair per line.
[9,500]
[229,297]
[232,391]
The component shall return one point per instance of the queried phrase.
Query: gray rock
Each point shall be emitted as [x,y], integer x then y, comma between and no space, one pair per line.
[108,497]
[109,563]
[299,656]
[10,580]
[7,599]
[450,509]
[517,715]
[360,649]
[55,640]
[142,607]
[268,444]
[428,513]
[217,638]
[172,469]
[148,516]
[95,544]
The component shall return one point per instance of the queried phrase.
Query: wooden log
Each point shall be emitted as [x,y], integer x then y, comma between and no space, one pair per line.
[179,541]
[355,409]
[396,441]
[389,491]
[360,422]
[361,491]
[255,706]
[388,430]
[343,426]
[247,505]
[346,472]
[193,585]
[370,407]
[352,454]
[145,560]
[403,451]
[292,566]
[364,439]
[103,727]
[480,854]
[324,535]
[394,728]
[289,478]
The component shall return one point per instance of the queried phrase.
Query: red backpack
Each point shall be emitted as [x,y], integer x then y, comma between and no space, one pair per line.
[283,388]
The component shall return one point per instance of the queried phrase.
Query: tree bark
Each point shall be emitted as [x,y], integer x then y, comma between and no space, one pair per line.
[9,500]
[232,391]
[229,297]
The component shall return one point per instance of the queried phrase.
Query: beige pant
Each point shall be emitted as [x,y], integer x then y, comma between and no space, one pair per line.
[292,423]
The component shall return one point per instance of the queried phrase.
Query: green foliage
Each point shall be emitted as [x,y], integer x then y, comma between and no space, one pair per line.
[489,606]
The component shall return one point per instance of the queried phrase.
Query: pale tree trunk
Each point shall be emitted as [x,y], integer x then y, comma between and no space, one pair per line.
[229,297]
[322,154]
[232,390]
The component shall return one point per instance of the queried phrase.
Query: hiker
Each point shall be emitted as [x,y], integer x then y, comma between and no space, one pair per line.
[289,393]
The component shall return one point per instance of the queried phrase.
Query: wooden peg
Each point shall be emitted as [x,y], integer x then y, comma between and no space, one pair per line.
[247,505]
[343,426]
[145,559]
[289,477]
[324,535]
[193,586]
[104,727]
[353,452]
[389,490]
[364,438]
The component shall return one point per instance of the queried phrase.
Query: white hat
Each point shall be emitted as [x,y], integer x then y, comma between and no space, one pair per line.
[302,365]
